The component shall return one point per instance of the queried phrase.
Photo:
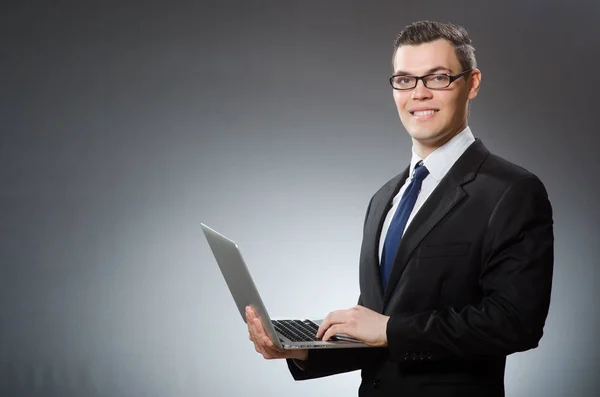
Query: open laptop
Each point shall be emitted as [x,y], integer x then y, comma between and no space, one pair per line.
[286,334]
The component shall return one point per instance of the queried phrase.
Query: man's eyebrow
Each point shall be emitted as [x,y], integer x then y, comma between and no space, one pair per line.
[430,71]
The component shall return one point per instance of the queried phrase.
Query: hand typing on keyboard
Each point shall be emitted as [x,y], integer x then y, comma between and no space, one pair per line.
[358,322]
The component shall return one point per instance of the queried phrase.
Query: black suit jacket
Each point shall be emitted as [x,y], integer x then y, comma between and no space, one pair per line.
[470,284]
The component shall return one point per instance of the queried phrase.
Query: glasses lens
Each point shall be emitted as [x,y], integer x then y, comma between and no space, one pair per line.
[437,81]
[403,82]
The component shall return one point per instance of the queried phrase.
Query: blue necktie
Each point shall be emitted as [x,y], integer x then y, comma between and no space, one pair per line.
[394,234]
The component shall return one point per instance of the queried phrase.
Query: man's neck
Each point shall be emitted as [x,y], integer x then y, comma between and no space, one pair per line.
[425,148]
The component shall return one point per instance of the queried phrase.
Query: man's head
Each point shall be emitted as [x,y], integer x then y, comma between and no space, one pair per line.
[433,115]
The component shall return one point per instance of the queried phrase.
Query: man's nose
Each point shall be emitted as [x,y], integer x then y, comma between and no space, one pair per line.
[421,92]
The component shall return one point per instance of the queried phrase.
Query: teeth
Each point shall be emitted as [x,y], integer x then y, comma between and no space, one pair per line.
[424,112]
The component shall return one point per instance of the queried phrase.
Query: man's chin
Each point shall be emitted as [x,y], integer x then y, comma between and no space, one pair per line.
[425,137]
[430,139]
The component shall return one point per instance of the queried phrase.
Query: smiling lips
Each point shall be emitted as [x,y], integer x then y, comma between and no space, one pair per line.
[424,113]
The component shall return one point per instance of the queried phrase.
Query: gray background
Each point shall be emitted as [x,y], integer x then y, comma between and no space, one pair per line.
[123,126]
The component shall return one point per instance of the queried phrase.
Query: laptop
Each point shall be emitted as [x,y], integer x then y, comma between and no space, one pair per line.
[286,334]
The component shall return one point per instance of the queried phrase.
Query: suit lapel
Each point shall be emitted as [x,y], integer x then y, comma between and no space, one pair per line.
[442,200]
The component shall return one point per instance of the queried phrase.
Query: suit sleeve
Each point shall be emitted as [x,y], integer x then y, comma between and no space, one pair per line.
[516,280]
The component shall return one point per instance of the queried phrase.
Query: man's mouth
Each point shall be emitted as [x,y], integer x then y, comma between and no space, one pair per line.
[423,112]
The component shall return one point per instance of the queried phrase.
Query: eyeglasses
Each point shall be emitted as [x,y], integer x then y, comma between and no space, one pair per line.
[431,81]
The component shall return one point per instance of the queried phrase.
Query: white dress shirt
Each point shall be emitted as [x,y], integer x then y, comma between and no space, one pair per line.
[438,163]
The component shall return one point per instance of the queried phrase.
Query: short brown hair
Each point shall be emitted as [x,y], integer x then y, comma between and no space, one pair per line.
[427,31]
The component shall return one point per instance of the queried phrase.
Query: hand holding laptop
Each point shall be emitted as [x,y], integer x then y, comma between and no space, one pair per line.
[285,338]
[264,345]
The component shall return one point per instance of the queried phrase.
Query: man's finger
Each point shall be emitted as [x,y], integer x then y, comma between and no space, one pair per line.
[334,329]
[249,317]
[332,318]
[251,332]
[264,351]
[269,342]
[264,339]
[258,327]
[250,313]
[324,325]
[257,346]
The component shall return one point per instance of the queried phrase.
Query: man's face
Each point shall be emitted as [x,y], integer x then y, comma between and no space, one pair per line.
[432,117]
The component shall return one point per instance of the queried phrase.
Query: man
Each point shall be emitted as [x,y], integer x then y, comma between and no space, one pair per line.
[457,253]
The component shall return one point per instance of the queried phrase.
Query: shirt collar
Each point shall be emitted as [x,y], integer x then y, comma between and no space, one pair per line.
[440,161]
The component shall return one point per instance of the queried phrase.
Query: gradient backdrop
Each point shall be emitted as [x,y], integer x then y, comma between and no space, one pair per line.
[123,126]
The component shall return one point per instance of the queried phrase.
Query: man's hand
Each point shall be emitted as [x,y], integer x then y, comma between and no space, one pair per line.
[264,345]
[359,322]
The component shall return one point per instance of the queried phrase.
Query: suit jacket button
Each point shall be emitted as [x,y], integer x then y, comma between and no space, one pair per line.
[376,383]
[406,356]
[414,356]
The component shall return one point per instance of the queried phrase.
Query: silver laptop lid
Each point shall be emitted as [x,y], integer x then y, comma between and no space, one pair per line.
[238,279]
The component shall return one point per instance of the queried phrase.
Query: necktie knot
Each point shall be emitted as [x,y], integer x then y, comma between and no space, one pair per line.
[421,172]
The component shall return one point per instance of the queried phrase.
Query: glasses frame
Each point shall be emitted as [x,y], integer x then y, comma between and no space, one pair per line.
[452,79]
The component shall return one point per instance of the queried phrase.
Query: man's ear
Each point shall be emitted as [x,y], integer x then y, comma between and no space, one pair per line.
[474,83]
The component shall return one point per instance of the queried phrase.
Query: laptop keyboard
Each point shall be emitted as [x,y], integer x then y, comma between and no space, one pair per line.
[296,330]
